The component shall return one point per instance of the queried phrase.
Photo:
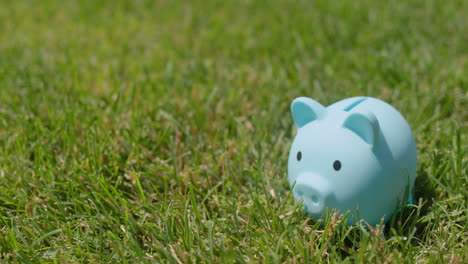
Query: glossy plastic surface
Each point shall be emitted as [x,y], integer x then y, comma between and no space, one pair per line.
[356,155]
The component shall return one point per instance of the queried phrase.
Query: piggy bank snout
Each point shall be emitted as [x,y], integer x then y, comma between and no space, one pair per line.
[315,192]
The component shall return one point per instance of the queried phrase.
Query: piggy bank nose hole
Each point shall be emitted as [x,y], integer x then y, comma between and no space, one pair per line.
[314,199]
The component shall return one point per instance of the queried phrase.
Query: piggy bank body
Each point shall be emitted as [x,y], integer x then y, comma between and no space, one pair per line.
[357,155]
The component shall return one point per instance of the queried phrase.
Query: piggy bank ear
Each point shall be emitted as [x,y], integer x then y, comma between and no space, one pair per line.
[305,110]
[365,125]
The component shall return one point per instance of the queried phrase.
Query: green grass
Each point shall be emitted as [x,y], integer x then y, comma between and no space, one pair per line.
[158,131]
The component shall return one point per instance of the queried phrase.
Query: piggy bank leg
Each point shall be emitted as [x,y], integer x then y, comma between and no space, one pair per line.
[410,198]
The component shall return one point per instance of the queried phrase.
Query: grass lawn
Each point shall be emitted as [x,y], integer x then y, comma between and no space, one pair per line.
[158,131]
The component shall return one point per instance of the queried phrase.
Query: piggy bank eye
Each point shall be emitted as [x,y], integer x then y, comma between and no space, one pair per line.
[337,165]
[299,156]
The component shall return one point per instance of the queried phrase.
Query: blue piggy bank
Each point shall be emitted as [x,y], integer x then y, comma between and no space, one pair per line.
[356,155]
